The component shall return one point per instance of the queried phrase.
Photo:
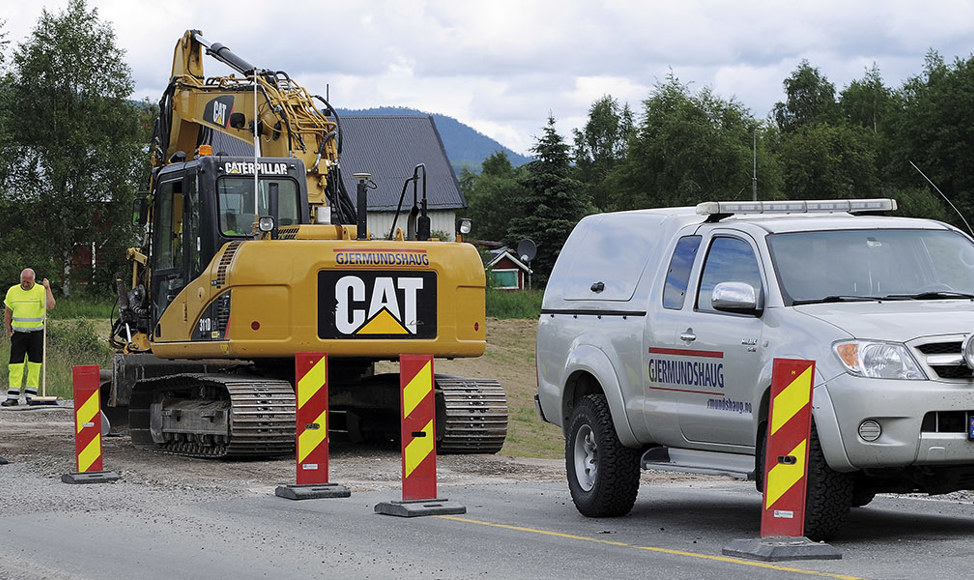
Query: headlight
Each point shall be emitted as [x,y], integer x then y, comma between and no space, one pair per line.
[878,360]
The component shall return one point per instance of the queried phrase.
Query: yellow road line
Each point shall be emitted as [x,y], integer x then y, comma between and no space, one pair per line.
[654,549]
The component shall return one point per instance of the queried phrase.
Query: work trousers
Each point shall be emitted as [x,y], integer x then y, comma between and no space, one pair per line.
[26,350]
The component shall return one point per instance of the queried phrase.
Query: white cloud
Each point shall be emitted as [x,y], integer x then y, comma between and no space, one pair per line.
[503,66]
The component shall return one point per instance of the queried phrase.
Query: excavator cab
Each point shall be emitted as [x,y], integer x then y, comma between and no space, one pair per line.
[203,204]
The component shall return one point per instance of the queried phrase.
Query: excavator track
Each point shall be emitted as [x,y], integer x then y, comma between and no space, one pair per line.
[214,416]
[473,417]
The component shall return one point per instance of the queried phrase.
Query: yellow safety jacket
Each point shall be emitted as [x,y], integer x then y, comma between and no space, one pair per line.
[29,307]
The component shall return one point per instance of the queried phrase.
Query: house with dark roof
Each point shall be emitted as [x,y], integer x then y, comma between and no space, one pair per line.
[389,148]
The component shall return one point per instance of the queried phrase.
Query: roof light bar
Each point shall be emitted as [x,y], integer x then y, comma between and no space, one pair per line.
[811,206]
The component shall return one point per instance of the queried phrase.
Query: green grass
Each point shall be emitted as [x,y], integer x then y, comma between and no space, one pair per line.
[521,304]
[72,340]
[91,307]
[69,343]
[527,436]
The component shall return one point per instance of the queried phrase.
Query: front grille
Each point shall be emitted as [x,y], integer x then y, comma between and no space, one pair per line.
[941,348]
[946,359]
[953,372]
[946,421]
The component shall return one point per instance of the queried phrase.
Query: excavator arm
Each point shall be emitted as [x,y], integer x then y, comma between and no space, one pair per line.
[263,108]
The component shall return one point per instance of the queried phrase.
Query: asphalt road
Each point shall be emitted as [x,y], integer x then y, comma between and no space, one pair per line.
[49,529]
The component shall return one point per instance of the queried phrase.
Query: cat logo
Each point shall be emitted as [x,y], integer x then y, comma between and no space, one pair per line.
[376,304]
[218,111]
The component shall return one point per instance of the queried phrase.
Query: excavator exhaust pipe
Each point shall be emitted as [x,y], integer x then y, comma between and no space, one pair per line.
[361,205]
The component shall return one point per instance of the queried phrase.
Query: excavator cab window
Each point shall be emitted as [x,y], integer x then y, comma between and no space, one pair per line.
[236,203]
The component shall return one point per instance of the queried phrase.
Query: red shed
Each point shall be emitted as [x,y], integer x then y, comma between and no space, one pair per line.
[509,273]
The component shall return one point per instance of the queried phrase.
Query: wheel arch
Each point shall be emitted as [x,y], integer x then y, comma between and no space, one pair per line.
[589,371]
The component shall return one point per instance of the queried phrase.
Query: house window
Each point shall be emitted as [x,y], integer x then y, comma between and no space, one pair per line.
[505,279]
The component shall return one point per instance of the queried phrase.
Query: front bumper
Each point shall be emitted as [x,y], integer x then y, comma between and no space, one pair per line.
[924,423]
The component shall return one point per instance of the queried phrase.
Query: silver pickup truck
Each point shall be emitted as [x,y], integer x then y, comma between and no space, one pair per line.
[659,329]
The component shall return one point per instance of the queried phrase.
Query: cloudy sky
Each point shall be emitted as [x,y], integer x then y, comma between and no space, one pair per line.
[503,66]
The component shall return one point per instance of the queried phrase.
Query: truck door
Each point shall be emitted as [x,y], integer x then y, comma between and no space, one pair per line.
[721,412]
[702,363]
[176,243]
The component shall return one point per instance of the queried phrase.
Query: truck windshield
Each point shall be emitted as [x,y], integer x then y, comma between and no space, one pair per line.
[236,203]
[898,264]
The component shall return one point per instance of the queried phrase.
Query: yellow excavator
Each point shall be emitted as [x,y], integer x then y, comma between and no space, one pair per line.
[252,252]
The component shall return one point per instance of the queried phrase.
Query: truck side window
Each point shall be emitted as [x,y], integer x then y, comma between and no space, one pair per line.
[729,260]
[678,274]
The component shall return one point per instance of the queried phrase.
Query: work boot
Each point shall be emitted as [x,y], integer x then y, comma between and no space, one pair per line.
[3,461]
[10,403]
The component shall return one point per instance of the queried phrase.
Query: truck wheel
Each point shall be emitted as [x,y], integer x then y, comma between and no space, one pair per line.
[603,474]
[828,495]
[759,456]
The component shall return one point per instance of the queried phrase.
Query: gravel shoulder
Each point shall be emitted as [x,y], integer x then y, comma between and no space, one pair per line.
[40,440]
[39,444]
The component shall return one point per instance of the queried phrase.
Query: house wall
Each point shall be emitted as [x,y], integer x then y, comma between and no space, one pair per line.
[380,222]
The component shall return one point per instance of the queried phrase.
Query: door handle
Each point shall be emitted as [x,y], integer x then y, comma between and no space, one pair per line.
[688,336]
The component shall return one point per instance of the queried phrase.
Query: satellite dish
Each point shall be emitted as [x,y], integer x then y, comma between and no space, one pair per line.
[527,250]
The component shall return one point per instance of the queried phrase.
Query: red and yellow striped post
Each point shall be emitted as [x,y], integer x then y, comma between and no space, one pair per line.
[418,443]
[786,472]
[786,462]
[311,431]
[311,372]
[418,427]
[87,431]
[87,419]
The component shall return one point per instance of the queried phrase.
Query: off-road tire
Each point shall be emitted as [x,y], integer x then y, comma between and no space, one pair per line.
[828,495]
[759,457]
[603,474]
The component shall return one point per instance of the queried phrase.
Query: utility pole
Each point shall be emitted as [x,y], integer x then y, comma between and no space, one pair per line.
[754,175]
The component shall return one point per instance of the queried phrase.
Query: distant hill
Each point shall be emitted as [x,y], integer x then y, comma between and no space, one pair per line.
[465,146]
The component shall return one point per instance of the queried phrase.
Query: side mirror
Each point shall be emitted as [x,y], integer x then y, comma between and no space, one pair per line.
[737,298]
